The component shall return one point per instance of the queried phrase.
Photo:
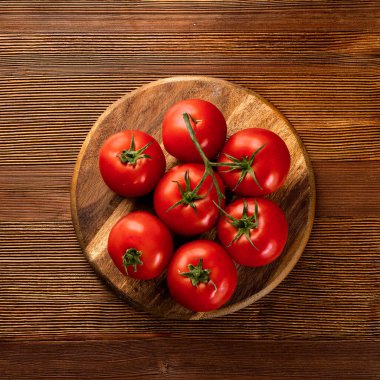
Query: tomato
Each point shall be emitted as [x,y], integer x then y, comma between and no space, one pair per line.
[185,209]
[131,163]
[208,123]
[140,245]
[254,231]
[201,276]
[258,162]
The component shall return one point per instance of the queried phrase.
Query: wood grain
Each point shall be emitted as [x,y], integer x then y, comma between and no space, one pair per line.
[288,360]
[333,124]
[62,63]
[198,16]
[96,209]
[331,293]
[338,184]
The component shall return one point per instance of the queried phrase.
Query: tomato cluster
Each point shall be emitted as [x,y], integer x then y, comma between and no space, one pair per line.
[190,199]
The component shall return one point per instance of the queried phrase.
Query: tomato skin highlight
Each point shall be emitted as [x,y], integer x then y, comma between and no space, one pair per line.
[183,219]
[146,233]
[208,123]
[202,297]
[269,237]
[126,179]
[271,165]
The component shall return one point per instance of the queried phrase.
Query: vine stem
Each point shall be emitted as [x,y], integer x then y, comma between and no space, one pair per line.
[208,165]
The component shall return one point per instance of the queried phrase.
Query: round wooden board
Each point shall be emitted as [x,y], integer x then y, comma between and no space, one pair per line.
[95,208]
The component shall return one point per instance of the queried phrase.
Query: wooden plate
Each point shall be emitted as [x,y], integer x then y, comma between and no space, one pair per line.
[95,208]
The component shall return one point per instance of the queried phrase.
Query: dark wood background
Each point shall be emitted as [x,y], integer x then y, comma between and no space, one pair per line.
[63,62]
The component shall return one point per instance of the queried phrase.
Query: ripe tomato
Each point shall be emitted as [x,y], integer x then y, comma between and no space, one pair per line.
[208,123]
[131,163]
[259,162]
[254,231]
[140,245]
[201,276]
[185,209]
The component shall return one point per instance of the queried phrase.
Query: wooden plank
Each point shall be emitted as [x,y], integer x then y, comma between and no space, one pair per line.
[51,95]
[57,138]
[353,47]
[344,189]
[349,189]
[111,17]
[49,291]
[165,358]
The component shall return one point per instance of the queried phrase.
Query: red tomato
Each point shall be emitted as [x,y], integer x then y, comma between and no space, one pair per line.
[254,231]
[201,276]
[131,163]
[183,210]
[140,245]
[208,123]
[261,160]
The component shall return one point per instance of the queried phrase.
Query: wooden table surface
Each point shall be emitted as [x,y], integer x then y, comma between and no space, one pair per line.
[63,62]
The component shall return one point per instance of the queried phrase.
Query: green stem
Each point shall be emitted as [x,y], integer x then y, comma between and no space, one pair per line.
[131,155]
[188,196]
[243,225]
[244,165]
[206,161]
[197,274]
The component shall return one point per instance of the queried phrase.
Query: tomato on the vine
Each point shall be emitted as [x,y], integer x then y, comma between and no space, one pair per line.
[131,163]
[185,203]
[254,231]
[201,276]
[254,162]
[207,122]
[140,245]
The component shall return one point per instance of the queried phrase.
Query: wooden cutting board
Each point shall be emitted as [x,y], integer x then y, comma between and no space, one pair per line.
[95,208]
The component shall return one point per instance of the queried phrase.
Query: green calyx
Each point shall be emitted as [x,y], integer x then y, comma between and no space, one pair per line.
[131,155]
[188,195]
[132,257]
[208,165]
[244,165]
[245,224]
[197,274]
